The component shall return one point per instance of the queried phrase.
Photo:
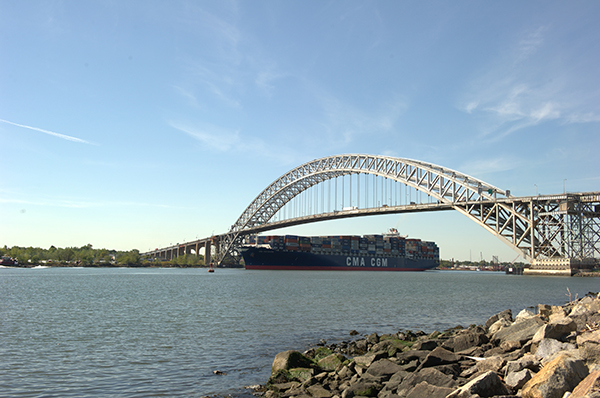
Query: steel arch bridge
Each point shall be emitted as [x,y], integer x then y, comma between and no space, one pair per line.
[555,226]
[544,229]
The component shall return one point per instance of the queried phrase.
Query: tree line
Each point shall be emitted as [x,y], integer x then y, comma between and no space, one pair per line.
[87,256]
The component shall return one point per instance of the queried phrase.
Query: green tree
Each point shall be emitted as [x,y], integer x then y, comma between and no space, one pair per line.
[131,258]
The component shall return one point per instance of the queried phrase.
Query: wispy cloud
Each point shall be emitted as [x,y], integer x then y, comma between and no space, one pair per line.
[213,137]
[232,141]
[52,133]
[482,167]
[341,119]
[531,84]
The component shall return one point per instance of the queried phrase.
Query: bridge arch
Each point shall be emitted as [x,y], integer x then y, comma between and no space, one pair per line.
[446,185]
[449,187]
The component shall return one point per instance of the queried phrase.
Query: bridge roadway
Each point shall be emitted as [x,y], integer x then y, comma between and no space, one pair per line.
[555,233]
[194,247]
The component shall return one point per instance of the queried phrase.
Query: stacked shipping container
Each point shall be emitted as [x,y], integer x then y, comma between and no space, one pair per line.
[373,245]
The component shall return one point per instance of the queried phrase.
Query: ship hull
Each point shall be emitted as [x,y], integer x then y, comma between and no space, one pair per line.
[268,259]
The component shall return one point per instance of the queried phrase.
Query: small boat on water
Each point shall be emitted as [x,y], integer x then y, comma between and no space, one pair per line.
[8,261]
[211,269]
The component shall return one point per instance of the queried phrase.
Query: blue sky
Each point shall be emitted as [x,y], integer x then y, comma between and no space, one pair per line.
[144,123]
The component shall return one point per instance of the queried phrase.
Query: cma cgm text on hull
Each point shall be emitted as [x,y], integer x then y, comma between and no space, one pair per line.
[390,252]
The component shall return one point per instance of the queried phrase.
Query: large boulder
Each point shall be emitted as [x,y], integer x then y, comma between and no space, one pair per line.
[494,363]
[551,312]
[523,315]
[287,360]
[466,339]
[560,375]
[362,388]
[516,380]
[384,368]
[430,375]
[589,387]
[557,330]
[318,391]
[439,356]
[585,305]
[548,347]
[530,362]
[485,385]
[331,362]
[366,360]
[519,331]
[394,381]
[506,315]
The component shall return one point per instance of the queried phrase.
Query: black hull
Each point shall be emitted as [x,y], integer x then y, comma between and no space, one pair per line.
[268,259]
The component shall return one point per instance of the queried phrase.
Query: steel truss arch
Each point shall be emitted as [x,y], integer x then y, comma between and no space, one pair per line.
[480,201]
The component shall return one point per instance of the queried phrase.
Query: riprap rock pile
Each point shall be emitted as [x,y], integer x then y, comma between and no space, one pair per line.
[551,354]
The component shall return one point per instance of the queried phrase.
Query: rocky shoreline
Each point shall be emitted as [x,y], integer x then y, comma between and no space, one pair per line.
[552,354]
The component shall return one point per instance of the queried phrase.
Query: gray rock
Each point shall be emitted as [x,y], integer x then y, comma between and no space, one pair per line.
[411,366]
[318,391]
[556,330]
[290,359]
[547,347]
[361,345]
[426,345]
[430,375]
[506,315]
[486,385]
[523,315]
[384,368]
[526,362]
[373,338]
[519,331]
[589,387]
[516,380]
[498,325]
[392,384]
[411,355]
[494,363]
[366,360]
[508,346]
[346,372]
[466,339]
[590,353]
[439,356]
[424,389]
[362,388]
[585,305]
[331,362]
[560,375]
[551,311]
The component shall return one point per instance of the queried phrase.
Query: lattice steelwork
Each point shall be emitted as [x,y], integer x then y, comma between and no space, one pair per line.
[549,226]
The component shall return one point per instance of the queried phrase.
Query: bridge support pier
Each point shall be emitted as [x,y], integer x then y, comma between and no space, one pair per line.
[207,249]
[559,266]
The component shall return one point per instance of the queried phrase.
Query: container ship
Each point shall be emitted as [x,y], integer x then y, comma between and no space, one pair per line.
[386,252]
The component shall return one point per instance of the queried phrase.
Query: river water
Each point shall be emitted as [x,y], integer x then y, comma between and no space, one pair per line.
[105,332]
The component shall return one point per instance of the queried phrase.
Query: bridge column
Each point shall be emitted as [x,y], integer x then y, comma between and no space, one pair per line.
[207,247]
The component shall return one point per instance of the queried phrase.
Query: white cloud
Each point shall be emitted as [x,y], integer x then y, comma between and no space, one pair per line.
[481,167]
[212,136]
[341,119]
[530,84]
[224,140]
